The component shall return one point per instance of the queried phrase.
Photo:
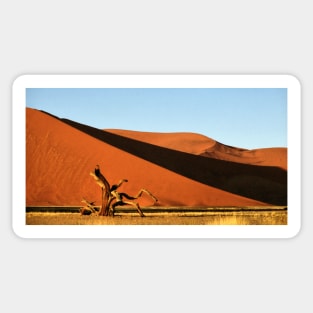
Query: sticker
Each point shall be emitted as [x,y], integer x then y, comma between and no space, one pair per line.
[156,156]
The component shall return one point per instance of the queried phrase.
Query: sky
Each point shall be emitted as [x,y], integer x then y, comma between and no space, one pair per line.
[247,118]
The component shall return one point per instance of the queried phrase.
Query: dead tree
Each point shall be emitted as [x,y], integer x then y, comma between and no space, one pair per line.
[112,198]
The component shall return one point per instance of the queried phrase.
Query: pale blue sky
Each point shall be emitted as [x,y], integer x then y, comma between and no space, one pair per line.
[242,117]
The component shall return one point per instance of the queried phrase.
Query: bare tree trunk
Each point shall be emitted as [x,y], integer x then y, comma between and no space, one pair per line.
[105,191]
[104,211]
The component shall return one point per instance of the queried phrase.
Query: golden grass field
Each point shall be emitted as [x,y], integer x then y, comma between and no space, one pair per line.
[271,216]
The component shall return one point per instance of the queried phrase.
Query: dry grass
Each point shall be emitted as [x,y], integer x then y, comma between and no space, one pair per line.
[270,217]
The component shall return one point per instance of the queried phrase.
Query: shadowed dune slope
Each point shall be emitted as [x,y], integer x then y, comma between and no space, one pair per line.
[61,153]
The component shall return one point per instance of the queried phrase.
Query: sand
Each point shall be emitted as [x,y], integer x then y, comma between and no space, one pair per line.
[180,169]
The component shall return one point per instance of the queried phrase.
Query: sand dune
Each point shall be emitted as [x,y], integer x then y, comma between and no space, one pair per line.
[201,145]
[185,142]
[61,153]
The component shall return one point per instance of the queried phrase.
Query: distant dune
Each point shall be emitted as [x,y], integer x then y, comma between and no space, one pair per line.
[201,145]
[185,142]
[180,169]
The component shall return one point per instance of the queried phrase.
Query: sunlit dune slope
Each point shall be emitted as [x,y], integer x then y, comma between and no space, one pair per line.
[60,155]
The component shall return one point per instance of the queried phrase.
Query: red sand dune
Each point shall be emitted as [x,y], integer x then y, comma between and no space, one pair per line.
[60,154]
[185,142]
[201,145]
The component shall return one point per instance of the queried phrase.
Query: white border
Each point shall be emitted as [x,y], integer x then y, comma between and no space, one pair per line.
[156,81]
